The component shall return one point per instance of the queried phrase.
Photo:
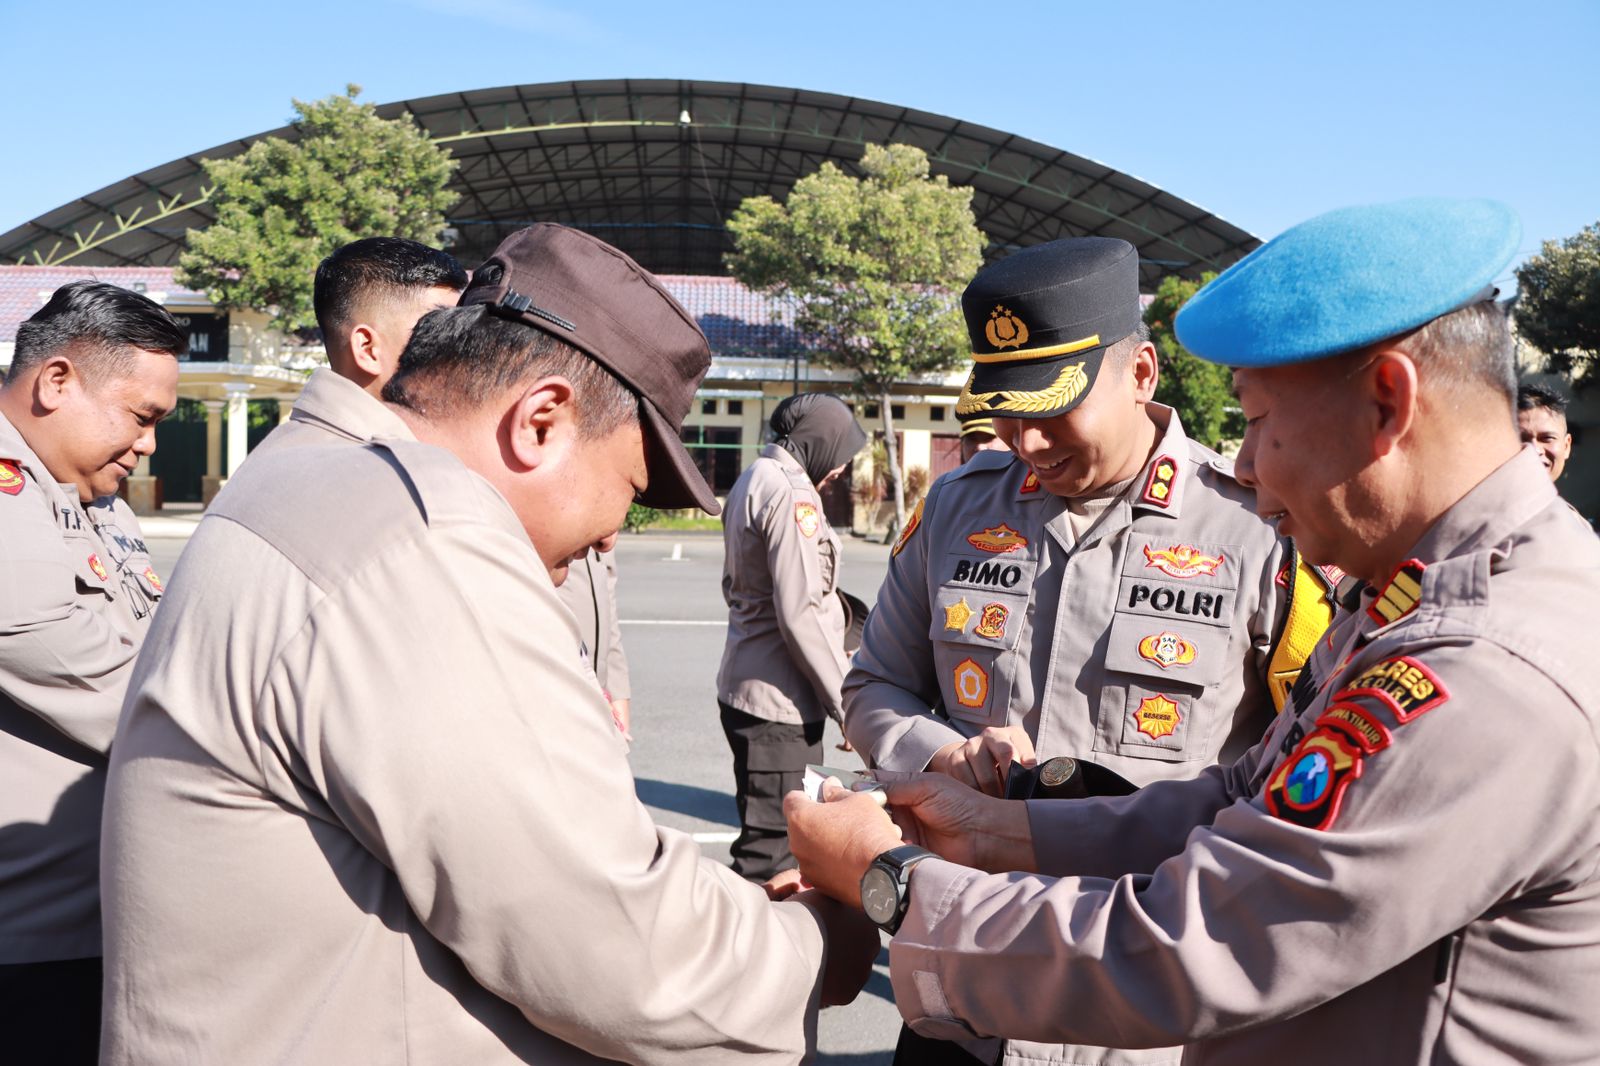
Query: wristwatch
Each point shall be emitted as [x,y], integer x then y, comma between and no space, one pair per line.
[886,886]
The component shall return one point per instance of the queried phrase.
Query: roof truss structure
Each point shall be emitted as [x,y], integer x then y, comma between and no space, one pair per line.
[617,158]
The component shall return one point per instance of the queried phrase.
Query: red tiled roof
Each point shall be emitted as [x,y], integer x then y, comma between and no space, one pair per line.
[24,289]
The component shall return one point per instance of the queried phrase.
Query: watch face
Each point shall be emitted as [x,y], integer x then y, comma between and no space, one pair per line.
[879,897]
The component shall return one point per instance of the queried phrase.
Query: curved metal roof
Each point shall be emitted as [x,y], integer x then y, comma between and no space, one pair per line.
[656,166]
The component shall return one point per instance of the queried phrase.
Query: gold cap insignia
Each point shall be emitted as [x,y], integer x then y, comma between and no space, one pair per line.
[1005,330]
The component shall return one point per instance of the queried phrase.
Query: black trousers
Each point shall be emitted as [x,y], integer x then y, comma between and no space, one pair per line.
[913,1049]
[769,759]
[50,1013]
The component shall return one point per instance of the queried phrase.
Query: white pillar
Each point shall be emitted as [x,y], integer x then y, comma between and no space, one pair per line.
[238,424]
[213,438]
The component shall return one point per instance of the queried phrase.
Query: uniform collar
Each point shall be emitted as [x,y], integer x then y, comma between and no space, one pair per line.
[784,457]
[340,405]
[15,447]
[1487,515]
[1160,486]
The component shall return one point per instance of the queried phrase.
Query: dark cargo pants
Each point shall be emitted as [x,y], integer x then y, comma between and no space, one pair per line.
[769,759]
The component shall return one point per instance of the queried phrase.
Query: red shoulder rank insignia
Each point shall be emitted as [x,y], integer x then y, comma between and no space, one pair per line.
[1281,578]
[992,622]
[1404,685]
[1158,486]
[151,576]
[805,516]
[97,566]
[11,479]
[1182,560]
[972,684]
[1157,716]
[1399,597]
[911,527]
[1309,785]
[1166,649]
[998,540]
[1030,485]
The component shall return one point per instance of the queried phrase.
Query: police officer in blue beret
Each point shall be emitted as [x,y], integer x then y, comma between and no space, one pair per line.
[1406,868]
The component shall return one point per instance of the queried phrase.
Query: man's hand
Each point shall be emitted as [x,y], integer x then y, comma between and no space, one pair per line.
[837,839]
[959,824]
[851,946]
[982,762]
[784,884]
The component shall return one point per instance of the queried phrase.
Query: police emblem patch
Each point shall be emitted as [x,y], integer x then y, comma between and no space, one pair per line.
[150,576]
[1399,597]
[971,684]
[1371,736]
[1308,786]
[992,623]
[1182,560]
[97,566]
[997,540]
[1005,330]
[1404,685]
[806,517]
[1158,486]
[11,479]
[911,527]
[1166,650]
[1157,717]
[957,615]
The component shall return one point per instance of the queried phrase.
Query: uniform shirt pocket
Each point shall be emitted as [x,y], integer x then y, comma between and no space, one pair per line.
[974,634]
[1162,673]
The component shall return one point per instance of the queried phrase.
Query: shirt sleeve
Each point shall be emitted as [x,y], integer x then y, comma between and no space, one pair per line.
[617,682]
[1264,915]
[802,601]
[493,783]
[891,690]
[59,659]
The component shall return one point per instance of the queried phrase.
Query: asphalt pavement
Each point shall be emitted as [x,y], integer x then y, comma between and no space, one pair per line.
[673,625]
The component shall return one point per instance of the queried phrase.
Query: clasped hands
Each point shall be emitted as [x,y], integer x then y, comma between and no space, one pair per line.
[945,812]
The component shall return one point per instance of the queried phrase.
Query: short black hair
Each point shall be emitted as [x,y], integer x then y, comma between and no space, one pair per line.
[459,358]
[388,265]
[105,320]
[1531,395]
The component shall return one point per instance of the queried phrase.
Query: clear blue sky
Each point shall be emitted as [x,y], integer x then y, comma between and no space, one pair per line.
[1265,113]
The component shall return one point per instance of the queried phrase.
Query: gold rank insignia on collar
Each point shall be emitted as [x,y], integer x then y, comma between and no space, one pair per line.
[1030,485]
[1399,597]
[957,615]
[1158,486]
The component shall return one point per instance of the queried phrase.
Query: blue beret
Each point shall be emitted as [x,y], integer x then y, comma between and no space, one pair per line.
[1350,278]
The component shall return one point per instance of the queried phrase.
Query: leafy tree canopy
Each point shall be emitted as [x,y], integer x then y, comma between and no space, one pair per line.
[875,265]
[1558,300]
[1201,392]
[283,206]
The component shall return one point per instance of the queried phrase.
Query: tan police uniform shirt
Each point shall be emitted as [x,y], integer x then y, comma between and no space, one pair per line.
[784,660]
[590,593]
[1141,643]
[367,806]
[76,595]
[1403,871]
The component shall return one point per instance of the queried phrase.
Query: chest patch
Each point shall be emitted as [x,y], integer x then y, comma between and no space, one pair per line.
[1166,650]
[992,623]
[986,573]
[1182,560]
[1156,716]
[997,540]
[971,684]
[957,615]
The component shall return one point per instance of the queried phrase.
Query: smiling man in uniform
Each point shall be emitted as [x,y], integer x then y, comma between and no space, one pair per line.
[405,821]
[1107,593]
[1406,869]
[94,370]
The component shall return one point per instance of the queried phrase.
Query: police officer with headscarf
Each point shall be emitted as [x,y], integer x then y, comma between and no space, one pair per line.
[785,659]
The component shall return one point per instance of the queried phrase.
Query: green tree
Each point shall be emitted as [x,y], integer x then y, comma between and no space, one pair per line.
[284,205]
[875,265]
[1201,392]
[1558,300]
